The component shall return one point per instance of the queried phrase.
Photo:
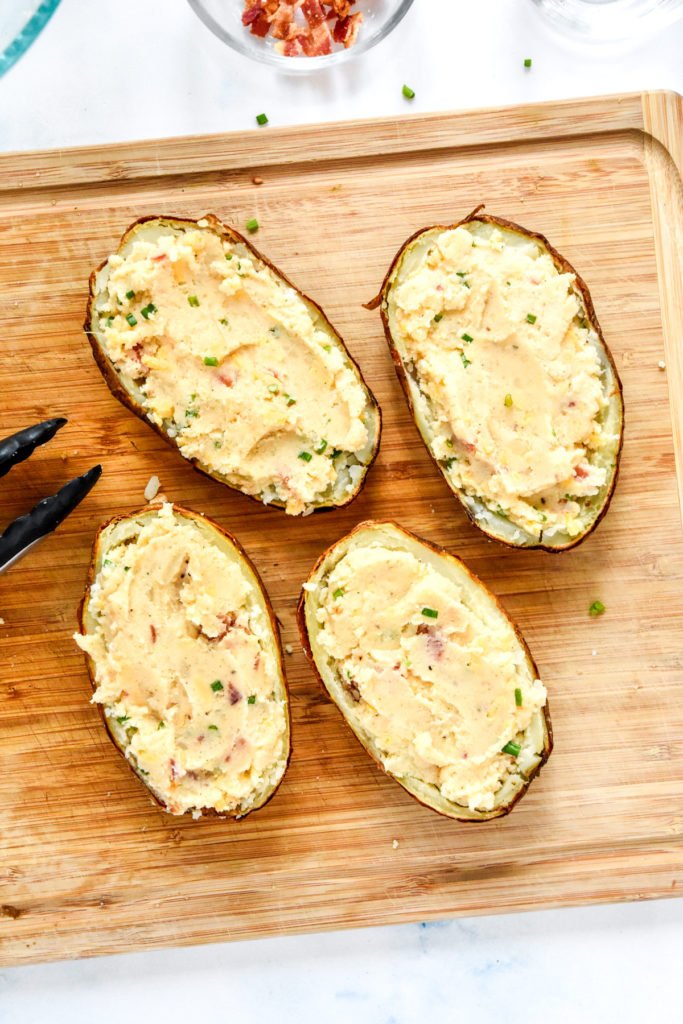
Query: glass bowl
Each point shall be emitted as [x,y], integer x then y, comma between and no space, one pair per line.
[224,18]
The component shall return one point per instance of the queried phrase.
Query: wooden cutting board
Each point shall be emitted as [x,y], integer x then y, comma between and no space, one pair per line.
[88,864]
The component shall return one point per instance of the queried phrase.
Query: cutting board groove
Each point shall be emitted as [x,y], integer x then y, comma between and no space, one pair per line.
[87,864]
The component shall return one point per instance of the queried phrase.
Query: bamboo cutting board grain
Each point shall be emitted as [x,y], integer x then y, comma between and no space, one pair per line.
[88,865]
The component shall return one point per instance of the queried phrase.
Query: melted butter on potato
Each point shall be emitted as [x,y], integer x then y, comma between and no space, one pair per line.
[432,677]
[231,363]
[186,668]
[496,336]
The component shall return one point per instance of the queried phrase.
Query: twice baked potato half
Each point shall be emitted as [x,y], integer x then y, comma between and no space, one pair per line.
[199,335]
[184,657]
[497,346]
[427,669]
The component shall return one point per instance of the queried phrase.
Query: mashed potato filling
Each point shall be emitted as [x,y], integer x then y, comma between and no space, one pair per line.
[432,683]
[497,339]
[186,667]
[231,362]
[438,688]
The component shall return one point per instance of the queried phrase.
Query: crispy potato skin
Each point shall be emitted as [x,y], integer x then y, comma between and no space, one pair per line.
[497,812]
[118,390]
[564,266]
[206,812]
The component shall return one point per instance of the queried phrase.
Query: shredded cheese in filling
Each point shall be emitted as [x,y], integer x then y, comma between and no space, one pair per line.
[497,338]
[232,364]
[186,668]
[429,679]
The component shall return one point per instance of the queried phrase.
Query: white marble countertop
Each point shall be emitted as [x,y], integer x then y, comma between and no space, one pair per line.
[121,69]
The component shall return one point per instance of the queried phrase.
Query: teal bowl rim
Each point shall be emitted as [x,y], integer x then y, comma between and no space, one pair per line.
[28,35]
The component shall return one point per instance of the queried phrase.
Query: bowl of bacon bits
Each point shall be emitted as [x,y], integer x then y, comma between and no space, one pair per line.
[301,35]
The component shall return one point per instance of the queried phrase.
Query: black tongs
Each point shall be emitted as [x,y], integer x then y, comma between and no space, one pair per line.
[27,530]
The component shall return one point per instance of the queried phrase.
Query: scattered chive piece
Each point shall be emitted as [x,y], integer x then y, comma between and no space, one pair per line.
[597,608]
[228,255]
[252,225]
[131,319]
[553,432]
[252,699]
[467,338]
[218,444]
[130,294]
[192,413]
[501,512]
[210,361]
[223,321]
[335,452]
[149,308]
[449,462]
[123,718]
[527,62]
[543,516]
[107,561]
[320,448]
[328,348]
[306,456]
[126,568]
[508,401]
[274,389]
[511,748]
[518,697]
[449,443]
[110,321]
[192,397]
[465,361]
[261,119]
[217,686]
[161,725]
[430,613]
[338,593]
[290,400]
[531,318]
[437,317]
[408,92]
[214,727]
[193,300]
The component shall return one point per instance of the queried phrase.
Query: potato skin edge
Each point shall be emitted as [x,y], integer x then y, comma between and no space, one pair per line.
[564,266]
[206,812]
[118,391]
[497,812]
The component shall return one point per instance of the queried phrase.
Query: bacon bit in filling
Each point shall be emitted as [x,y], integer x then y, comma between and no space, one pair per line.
[301,26]
[234,694]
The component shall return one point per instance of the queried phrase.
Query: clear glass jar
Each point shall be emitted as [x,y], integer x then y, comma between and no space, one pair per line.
[609,21]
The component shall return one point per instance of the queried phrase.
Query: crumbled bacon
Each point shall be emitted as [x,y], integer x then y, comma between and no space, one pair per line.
[319,41]
[352,687]
[234,694]
[580,472]
[340,8]
[313,12]
[346,30]
[251,13]
[154,633]
[300,26]
[228,621]
[227,377]
[434,640]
